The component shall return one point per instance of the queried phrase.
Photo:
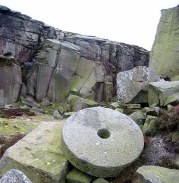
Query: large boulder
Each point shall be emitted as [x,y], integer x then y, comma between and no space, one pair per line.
[38,155]
[165,50]
[157,174]
[10,81]
[160,91]
[101,141]
[14,176]
[133,83]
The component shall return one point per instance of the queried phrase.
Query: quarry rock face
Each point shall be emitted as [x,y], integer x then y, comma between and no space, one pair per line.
[133,82]
[10,81]
[38,155]
[165,51]
[111,141]
[89,68]
[52,73]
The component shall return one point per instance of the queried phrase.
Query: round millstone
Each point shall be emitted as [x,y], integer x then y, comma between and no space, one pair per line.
[101,141]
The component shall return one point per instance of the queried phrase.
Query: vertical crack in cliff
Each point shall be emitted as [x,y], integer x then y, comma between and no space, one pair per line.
[53,71]
[86,79]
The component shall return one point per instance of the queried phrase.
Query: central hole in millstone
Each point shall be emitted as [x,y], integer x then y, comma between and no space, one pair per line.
[104,133]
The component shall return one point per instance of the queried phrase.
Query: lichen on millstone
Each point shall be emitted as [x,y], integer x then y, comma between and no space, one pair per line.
[101,141]
[38,155]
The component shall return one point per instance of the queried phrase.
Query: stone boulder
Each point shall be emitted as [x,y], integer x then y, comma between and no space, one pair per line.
[101,141]
[38,155]
[157,174]
[133,83]
[165,51]
[77,103]
[14,176]
[10,81]
[160,91]
[76,176]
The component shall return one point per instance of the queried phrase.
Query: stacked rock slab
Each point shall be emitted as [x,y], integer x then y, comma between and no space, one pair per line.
[38,155]
[160,91]
[133,84]
[165,51]
[111,141]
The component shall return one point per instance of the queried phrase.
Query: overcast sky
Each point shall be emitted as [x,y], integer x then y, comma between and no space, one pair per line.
[128,21]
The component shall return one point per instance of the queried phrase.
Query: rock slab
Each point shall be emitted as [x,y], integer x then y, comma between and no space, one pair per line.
[38,155]
[101,141]
[157,174]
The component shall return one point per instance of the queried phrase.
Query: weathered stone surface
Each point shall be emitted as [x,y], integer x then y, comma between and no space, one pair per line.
[38,155]
[156,174]
[165,51]
[77,103]
[150,127]
[10,84]
[138,117]
[100,180]
[130,83]
[111,141]
[172,98]
[76,176]
[160,91]
[14,176]
[57,115]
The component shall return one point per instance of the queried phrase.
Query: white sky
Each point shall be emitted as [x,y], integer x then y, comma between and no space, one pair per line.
[128,21]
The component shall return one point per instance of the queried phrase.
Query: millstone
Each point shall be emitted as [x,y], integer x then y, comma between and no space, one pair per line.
[101,141]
